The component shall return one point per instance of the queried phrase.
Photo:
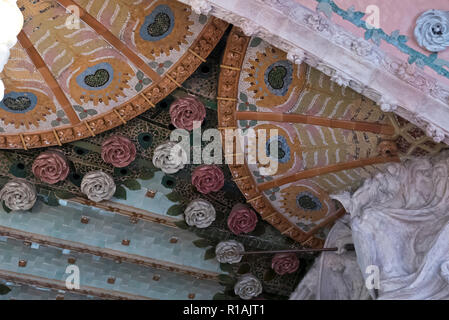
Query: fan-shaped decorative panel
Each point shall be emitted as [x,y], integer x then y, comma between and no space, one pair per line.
[329,138]
[86,66]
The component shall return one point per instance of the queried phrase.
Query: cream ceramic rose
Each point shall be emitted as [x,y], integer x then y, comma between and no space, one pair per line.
[98,186]
[229,251]
[199,213]
[248,287]
[18,194]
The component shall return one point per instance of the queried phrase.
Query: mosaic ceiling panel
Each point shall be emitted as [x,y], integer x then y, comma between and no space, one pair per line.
[329,138]
[70,78]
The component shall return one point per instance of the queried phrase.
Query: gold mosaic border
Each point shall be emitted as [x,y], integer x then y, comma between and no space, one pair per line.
[228,86]
[148,98]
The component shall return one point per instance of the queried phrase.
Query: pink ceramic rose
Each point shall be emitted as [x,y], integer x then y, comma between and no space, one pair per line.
[118,151]
[186,110]
[242,219]
[283,263]
[51,167]
[208,178]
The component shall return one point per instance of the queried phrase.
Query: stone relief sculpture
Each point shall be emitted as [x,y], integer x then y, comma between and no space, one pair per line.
[400,223]
[335,275]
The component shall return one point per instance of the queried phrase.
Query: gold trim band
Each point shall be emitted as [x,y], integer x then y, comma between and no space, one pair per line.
[57,137]
[147,100]
[171,79]
[89,128]
[119,116]
[226,99]
[23,142]
[197,55]
[230,68]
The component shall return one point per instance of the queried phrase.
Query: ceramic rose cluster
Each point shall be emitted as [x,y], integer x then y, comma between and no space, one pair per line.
[169,157]
[199,213]
[98,186]
[248,287]
[118,151]
[185,111]
[283,263]
[51,167]
[18,194]
[242,219]
[208,178]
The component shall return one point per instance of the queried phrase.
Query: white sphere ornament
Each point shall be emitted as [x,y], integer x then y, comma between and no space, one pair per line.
[11,22]
[98,186]
[18,194]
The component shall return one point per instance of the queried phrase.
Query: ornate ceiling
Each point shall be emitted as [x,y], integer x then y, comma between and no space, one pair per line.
[330,138]
[68,79]
[76,84]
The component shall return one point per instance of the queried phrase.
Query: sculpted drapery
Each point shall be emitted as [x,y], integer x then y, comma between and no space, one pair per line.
[400,223]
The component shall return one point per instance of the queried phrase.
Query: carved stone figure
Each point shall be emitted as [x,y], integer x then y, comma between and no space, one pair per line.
[400,224]
[334,275]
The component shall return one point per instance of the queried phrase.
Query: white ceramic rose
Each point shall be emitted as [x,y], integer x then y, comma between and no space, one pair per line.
[432,30]
[248,287]
[229,251]
[98,186]
[169,157]
[18,194]
[199,213]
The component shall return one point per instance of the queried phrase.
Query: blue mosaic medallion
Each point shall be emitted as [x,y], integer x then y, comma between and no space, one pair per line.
[283,149]
[308,202]
[158,24]
[97,77]
[279,76]
[18,102]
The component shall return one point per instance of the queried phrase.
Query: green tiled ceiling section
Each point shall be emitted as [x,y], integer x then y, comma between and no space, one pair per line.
[132,279]
[28,292]
[107,230]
